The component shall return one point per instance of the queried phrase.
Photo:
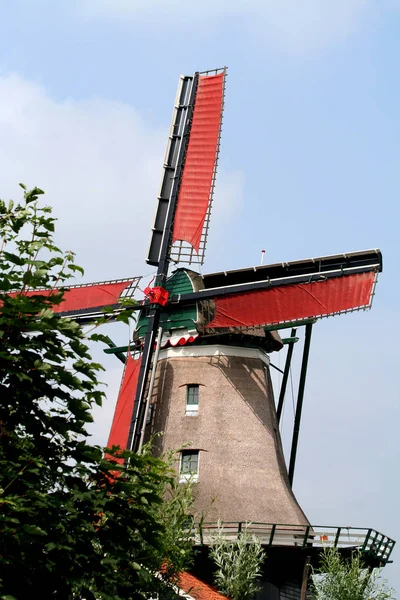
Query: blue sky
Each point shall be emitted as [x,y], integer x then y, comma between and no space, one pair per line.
[309,166]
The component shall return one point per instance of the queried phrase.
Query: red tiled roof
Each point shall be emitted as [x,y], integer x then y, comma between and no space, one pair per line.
[198,589]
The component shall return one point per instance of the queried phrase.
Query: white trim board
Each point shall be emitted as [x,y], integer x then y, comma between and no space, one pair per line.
[213,350]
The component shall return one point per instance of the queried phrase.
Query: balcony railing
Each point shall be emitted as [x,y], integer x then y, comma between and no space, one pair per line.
[368,541]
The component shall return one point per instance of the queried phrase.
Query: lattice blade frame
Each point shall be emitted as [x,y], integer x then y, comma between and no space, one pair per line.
[181,251]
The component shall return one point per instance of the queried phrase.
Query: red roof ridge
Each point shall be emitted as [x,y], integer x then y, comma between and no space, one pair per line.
[197,589]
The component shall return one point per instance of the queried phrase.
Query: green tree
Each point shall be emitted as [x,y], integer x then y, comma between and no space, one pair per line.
[69,527]
[340,578]
[238,564]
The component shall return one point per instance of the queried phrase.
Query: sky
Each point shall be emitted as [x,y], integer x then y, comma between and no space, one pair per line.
[309,166]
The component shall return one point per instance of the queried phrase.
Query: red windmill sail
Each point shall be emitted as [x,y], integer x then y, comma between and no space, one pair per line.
[197,177]
[124,407]
[88,297]
[294,302]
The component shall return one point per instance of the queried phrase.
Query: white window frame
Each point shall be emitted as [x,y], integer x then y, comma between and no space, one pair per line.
[183,477]
[192,410]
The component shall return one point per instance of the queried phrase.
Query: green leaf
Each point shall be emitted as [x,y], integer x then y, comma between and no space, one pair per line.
[51,546]
[75,268]
[13,258]
[48,224]
[33,529]
[124,317]
[32,195]
[99,337]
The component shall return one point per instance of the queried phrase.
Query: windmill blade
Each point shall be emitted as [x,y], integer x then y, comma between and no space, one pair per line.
[173,163]
[198,178]
[274,295]
[184,203]
[294,303]
[119,432]
[86,302]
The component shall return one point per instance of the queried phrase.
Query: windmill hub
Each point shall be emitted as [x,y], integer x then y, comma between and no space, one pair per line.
[157,295]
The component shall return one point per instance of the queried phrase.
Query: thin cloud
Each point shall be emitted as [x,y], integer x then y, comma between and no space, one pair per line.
[291,25]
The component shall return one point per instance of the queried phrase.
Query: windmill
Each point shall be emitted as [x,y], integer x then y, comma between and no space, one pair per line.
[198,368]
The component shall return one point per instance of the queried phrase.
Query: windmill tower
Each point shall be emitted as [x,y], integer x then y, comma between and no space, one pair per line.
[198,369]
